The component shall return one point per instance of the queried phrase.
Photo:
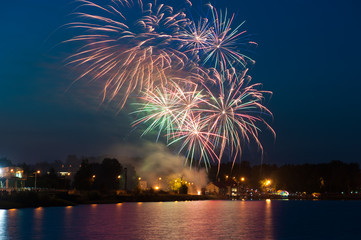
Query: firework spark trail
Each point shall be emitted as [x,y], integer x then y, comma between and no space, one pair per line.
[184,73]
[129,54]
[195,139]
[167,107]
[196,36]
[223,49]
[234,113]
[216,42]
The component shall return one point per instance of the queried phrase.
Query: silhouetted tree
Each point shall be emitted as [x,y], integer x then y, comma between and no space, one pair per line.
[335,176]
[183,189]
[83,179]
[108,175]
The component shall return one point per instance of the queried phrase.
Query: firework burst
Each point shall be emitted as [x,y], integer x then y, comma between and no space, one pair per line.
[195,140]
[128,52]
[234,112]
[168,107]
[184,74]
[222,50]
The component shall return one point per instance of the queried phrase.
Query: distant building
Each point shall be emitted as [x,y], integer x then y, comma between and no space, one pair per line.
[211,188]
[11,177]
[228,188]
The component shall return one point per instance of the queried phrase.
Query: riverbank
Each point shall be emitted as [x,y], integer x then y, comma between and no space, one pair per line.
[34,199]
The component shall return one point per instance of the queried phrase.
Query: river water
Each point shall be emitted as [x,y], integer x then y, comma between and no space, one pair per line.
[274,219]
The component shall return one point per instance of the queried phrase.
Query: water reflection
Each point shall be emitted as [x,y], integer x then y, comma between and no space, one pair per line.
[180,220]
[37,228]
[3,224]
[163,220]
[268,225]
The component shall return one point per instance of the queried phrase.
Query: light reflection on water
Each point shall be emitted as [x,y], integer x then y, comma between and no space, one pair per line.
[186,220]
[3,224]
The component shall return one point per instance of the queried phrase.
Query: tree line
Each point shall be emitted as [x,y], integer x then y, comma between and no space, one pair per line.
[332,177]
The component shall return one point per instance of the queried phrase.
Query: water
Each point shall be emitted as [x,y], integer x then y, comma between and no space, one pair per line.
[274,219]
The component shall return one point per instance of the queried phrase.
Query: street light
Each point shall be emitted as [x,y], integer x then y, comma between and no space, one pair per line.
[243,179]
[119,177]
[67,174]
[268,182]
[36,173]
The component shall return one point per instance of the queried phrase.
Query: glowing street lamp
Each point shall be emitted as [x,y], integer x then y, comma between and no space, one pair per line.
[120,185]
[243,179]
[268,182]
[36,173]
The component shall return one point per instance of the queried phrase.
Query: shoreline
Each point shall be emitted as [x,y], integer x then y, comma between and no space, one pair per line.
[19,200]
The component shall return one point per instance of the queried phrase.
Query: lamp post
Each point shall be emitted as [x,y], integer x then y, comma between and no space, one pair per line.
[36,173]
[68,174]
[119,177]
[242,188]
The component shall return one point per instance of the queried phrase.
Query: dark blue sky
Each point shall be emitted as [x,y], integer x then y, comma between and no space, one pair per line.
[308,55]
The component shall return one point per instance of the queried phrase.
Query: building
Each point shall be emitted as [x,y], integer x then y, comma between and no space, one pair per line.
[212,189]
[228,188]
[11,178]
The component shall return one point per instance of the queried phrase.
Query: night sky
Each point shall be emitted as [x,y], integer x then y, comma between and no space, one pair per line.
[308,56]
